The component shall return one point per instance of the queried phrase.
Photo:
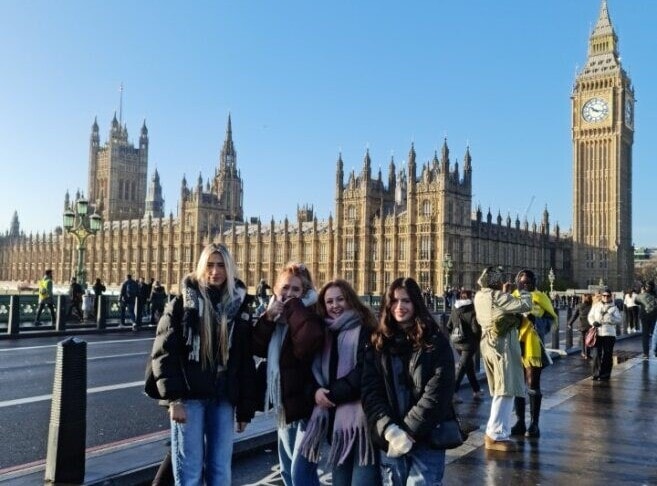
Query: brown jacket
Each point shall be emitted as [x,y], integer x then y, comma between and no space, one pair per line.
[304,339]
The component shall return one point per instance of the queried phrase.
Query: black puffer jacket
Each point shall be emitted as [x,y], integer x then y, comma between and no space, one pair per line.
[464,313]
[432,379]
[179,377]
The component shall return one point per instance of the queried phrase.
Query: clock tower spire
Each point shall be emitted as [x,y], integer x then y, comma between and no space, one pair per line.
[603,135]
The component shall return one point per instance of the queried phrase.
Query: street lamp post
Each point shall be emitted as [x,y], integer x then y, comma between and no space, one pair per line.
[447,266]
[81,225]
[551,280]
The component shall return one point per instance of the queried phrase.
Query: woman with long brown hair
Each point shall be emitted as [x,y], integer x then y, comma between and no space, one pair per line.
[408,384]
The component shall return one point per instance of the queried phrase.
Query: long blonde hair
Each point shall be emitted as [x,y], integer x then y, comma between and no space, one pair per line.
[209,313]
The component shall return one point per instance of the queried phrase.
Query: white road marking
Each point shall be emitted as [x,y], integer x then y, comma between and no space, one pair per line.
[89,343]
[111,356]
[43,398]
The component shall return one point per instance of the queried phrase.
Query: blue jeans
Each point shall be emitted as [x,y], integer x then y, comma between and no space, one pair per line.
[296,470]
[351,473]
[422,466]
[203,442]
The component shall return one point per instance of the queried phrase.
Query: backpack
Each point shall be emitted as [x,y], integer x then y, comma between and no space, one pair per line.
[131,289]
[457,336]
[649,303]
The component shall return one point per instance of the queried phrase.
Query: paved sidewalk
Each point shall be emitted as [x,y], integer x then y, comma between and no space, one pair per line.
[592,432]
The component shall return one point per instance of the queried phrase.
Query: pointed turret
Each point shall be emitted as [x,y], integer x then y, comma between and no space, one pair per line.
[444,157]
[339,173]
[15,227]
[154,199]
[367,166]
[392,177]
[228,155]
[467,166]
[412,175]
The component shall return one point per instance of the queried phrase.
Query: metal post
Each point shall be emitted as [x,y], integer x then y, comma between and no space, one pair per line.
[68,415]
[14,324]
[137,310]
[569,329]
[101,317]
[62,304]
[555,334]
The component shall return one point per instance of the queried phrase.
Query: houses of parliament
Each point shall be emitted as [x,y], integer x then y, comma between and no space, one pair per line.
[419,221]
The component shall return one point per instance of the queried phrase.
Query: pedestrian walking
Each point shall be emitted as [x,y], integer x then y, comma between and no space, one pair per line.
[127,296]
[45,298]
[408,383]
[143,294]
[631,311]
[647,299]
[158,299]
[581,316]
[75,294]
[497,313]
[290,334]
[604,316]
[465,335]
[203,367]
[535,325]
[338,415]
[99,289]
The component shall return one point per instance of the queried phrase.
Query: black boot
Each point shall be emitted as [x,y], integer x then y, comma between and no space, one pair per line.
[534,412]
[519,405]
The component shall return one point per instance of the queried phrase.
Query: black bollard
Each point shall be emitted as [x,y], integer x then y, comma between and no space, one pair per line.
[68,415]
[138,308]
[555,335]
[101,316]
[14,323]
[62,305]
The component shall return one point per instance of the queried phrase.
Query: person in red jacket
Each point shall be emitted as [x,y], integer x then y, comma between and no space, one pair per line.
[289,334]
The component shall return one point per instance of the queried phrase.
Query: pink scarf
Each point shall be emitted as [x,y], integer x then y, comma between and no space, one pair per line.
[350,425]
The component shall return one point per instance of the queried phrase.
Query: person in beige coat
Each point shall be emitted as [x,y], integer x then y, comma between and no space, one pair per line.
[498,312]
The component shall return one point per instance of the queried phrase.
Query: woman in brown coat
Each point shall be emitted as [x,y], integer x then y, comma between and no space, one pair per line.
[289,334]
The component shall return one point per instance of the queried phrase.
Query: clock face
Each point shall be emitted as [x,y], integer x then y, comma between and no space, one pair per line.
[594,110]
[629,112]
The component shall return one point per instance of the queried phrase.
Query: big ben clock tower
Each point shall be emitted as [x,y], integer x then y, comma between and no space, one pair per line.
[603,133]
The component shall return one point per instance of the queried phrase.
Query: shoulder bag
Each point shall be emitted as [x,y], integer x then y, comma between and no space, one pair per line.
[591,337]
[448,434]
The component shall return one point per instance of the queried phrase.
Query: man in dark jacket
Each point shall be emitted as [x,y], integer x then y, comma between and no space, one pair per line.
[75,300]
[465,335]
[127,296]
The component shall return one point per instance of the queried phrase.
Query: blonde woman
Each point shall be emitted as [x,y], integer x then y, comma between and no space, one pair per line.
[203,366]
[289,334]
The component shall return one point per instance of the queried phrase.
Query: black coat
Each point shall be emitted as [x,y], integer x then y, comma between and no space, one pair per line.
[431,372]
[471,330]
[178,377]
[582,314]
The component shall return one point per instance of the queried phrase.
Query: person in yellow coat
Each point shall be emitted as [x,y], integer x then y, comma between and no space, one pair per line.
[535,325]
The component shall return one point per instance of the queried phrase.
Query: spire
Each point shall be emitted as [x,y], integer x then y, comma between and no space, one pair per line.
[154,199]
[121,102]
[144,130]
[339,173]
[603,45]
[228,155]
[14,229]
[467,160]
[392,180]
[367,165]
[444,157]
[94,127]
[411,165]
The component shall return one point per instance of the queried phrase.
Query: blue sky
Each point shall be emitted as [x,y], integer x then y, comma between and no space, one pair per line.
[305,80]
